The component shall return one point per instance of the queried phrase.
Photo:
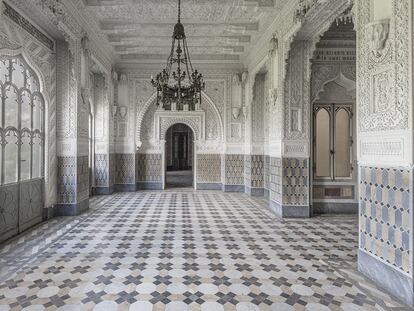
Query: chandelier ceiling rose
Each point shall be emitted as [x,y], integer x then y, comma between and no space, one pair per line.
[180,89]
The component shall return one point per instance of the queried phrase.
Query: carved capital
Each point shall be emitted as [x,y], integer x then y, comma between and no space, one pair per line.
[85,43]
[245,111]
[244,77]
[114,111]
[123,112]
[273,45]
[85,93]
[273,96]
[236,79]
[235,112]
[114,75]
[378,32]
[123,79]
[72,41]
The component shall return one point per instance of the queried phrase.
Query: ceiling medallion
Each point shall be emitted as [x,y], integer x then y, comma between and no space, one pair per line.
[180,89]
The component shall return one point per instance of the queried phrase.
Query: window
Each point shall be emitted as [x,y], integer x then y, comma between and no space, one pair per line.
[332,145]
[21,122]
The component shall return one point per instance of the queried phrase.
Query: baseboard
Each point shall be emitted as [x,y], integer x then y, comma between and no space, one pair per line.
[209,186]
[125,187]
[103,190]
[233,188]
[289,211]
[276,208]
[395,282]
[149,185]
[254,192]
[321,208]
[71,209]
[266,193]
[49,212]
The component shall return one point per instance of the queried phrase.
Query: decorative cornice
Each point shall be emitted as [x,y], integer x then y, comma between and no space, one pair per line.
[275,30]
[27,26]
[66,20]
[99,45]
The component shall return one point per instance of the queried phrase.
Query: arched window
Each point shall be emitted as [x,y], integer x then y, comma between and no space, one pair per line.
[21,122]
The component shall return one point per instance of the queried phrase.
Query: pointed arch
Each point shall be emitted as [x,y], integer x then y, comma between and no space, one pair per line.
[31,64]
[152,100]
[339,79]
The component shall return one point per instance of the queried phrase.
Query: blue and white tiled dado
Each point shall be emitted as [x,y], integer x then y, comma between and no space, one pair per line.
[148,167]
[385,215]
[295,175]
[234,169]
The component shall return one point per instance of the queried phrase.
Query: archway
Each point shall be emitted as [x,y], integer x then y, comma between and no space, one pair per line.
[208,110]
[179,156]
[333,181]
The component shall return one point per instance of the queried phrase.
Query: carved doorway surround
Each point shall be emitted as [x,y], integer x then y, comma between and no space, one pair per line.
[195,120]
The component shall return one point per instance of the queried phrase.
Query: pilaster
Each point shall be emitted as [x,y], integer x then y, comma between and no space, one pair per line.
[73,171]
[105,160]
[385,141]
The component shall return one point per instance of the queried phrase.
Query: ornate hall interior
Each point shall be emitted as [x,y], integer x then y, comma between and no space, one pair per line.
[206,155]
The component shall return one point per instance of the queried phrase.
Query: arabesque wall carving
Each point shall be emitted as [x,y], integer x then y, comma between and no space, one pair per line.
[384,70]
[152,123]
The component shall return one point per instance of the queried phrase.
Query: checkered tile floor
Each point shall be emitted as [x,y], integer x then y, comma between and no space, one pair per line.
[185,250]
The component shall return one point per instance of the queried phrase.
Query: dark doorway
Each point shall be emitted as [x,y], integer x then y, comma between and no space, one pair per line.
[179,156]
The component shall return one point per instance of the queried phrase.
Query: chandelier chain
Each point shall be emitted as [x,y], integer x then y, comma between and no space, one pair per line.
[179,11]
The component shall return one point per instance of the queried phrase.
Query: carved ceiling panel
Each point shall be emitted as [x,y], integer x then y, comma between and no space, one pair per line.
[217,30]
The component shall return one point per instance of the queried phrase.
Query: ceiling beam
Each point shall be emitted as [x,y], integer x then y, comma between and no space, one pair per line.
[122,50]
[131,38]
[239,3]
[163,57]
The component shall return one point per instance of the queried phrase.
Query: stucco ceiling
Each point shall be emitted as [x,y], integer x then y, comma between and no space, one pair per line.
[217,30]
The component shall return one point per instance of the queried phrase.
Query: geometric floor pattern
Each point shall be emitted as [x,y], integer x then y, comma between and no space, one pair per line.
[186,250]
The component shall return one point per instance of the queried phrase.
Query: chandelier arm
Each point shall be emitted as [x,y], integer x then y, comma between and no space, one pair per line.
[188,55]
[187,60]
[169,69]
[170,58]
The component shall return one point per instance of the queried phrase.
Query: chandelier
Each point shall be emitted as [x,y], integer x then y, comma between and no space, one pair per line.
[179,89]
